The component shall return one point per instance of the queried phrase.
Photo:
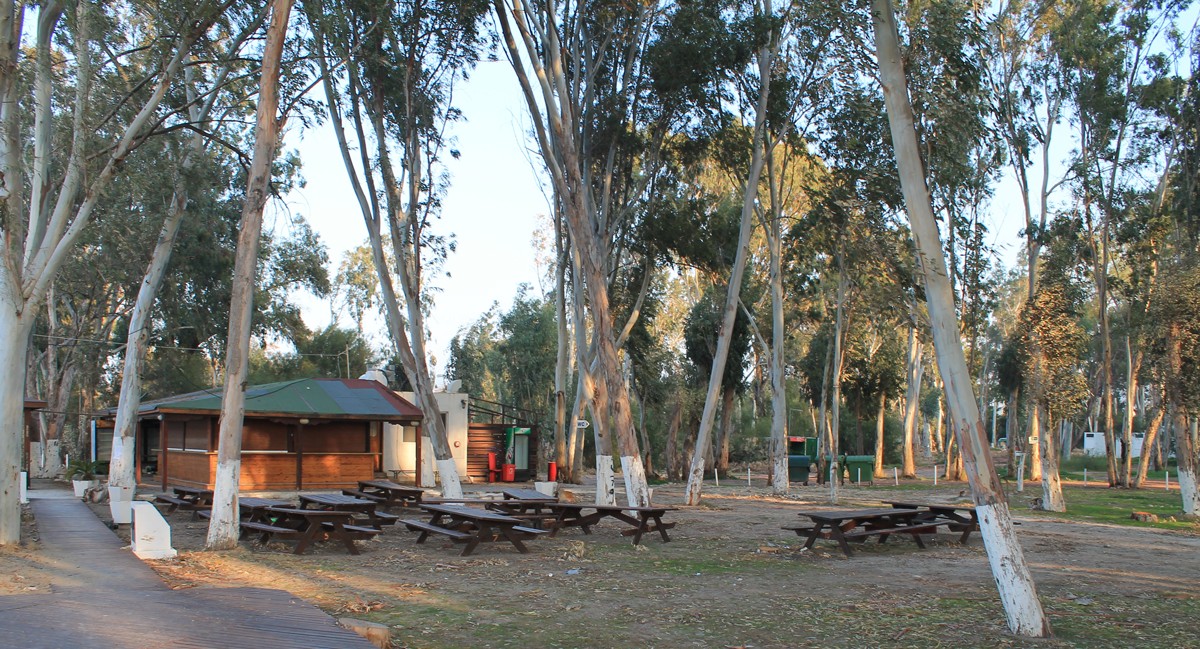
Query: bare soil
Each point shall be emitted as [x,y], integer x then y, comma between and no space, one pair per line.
[730,577]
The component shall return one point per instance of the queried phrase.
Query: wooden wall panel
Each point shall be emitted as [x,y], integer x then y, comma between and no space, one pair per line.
[191,469]
[268,472]
[336,437]
[337,471]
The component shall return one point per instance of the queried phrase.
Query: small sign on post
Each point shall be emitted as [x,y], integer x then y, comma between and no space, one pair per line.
[582,423]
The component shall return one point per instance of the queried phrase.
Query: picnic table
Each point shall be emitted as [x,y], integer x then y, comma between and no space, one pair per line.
[526,504]
[193,499]
[471,526]
[307,526]
[342,502]
[387,493]
[640,519]
[855,525]
[956,518]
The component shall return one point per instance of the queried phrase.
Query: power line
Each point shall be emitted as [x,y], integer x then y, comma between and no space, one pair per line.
[111,343]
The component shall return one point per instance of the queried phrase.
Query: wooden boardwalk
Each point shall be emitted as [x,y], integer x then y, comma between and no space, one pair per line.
[103,596]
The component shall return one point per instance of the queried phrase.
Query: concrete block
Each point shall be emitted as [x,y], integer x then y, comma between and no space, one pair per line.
[151,533]
[548,488]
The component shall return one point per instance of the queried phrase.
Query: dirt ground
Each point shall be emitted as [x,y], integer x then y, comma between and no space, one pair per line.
[730,577]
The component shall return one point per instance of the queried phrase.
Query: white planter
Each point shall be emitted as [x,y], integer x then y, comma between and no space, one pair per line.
[81,486]
[119,500]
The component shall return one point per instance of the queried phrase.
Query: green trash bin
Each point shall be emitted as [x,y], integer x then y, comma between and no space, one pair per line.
[798,466]
[860,468]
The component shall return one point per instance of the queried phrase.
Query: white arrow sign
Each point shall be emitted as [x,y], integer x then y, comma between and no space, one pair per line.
[582,423]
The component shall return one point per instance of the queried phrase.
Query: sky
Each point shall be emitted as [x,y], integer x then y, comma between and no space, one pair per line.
[493,206]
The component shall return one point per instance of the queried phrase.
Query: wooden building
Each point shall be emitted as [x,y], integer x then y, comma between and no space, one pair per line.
[303,434]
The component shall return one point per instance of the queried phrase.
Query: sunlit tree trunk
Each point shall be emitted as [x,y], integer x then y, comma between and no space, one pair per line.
[1150,444]
[1013,579]
[1052,495]
[879,445]
[223,528]
[912,402]
[1131,383]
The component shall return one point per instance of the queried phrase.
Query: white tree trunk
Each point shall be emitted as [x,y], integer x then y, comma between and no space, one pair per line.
[1013,579]
[123,466]
[1185,455]
[223,528]
[14,341]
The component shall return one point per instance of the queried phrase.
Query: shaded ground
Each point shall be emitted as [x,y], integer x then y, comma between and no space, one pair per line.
[732,578]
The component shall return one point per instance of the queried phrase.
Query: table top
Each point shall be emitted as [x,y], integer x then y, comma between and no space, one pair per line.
[312,513]
[471,513]
[192,490]
[909,504]
[616,508]
[858,514]
[335,500]
[256,503]
[526,494]
[388,485]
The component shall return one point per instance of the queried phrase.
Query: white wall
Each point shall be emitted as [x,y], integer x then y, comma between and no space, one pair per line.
[399,455]
[1093,444]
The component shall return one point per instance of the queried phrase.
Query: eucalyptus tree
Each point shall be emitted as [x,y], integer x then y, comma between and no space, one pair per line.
[602,100]
[388,70]
[1053,343]
[200,94]
[1116,58]
[1013,579]
[49,192]
[223,529]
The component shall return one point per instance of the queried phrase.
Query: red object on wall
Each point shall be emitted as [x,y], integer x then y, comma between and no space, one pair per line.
[508,473]
[552,471]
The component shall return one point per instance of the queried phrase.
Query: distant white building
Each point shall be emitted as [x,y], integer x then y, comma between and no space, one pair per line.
[1093,444]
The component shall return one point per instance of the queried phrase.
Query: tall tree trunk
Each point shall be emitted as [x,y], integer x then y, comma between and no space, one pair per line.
[912,402]
[835,377]
[729,314]
[672,450]
[1131,382]
[1052,495]
[879,421]
[779,405]
[1035,446]
[1012,426]
[1149,445]
[1013,579]
[223,528]
[727,406]
[562,364]
[821,427]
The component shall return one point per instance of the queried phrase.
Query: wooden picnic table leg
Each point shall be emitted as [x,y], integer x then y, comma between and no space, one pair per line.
[339,531]
[310,535]
[662,530]
[838,533]
[813,535]
[476,537]
[512,536]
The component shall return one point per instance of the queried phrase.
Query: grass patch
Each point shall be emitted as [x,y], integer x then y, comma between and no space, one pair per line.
[1114,506]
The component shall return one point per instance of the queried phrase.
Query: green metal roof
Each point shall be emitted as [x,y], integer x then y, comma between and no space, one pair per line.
[323,398]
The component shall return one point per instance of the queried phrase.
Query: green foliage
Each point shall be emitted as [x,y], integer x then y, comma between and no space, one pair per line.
[83,469]
[701,334]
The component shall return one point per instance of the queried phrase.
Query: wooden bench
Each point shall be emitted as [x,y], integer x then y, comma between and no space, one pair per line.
[175,503]
[364,495]
[267,530]
[429,528]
